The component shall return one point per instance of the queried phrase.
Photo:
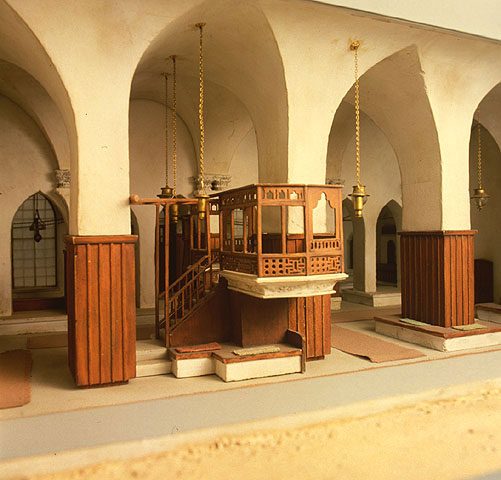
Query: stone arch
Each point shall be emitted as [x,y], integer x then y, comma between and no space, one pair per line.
[486,220]
[241,55]
[17,38]
[393,96]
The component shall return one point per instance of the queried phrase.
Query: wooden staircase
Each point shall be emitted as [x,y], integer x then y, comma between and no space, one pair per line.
[188,294]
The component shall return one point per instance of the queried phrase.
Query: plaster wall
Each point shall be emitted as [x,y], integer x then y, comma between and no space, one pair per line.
[478,18]
[485,221]
[28,165]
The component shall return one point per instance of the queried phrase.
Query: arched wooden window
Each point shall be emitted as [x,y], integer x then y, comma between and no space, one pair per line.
[34,259]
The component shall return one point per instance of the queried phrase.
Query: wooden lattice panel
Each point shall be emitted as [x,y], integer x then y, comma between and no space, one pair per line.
[325,244]
[239,263]
[283,266]
[326,264]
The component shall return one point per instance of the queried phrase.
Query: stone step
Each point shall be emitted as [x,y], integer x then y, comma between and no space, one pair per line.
[151,349]
[149,368]
[489,311]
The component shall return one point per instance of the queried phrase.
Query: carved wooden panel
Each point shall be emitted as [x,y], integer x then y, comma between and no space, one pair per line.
[283,266]
[101,309]
[326,264]
[438,277]
[239,263]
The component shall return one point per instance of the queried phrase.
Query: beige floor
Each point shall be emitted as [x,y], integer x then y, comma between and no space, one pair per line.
[53,390]
[462,426]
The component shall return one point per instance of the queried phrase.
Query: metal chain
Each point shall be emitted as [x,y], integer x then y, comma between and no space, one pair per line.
[201,107]
[479,156]
[357,112]
[174,124]
[166,133]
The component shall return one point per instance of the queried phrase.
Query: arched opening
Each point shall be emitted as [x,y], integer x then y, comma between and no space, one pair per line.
[485,221]
[386,250]
[37,282]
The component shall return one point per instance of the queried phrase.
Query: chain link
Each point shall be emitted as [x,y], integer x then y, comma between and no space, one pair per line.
[479,156]
[166,132]
[357,114]
[201,107]
[174,124]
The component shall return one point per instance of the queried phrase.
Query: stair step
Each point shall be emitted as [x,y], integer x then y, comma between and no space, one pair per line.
[149,368]
[151,349]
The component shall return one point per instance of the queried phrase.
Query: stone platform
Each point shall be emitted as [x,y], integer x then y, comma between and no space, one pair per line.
[388,297]
[490,312]
[439,338]
[231,367]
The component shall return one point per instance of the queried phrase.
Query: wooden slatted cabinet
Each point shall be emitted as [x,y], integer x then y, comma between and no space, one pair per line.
[101,309]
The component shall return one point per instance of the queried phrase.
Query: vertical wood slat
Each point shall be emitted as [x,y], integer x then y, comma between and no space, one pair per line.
[104,312]
[437,277]
[311,317]
[101,346]
[81,373]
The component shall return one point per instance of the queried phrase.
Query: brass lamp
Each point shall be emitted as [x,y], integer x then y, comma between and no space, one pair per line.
[358,196]
[479,197]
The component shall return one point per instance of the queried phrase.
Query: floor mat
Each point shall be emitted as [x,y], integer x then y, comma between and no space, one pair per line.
[374,349]
[15,371]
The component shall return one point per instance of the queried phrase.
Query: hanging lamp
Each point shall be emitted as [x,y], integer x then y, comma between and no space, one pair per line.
[359,197]
[166,192]
[202,196]
[38,224]
[174,208]
[479,197]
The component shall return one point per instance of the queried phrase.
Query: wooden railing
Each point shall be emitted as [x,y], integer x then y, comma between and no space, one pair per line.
[187,291]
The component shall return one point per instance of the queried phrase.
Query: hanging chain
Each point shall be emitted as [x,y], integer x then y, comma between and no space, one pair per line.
[354,47]
[479,155]
[174,124]
[201,107]
[166,133]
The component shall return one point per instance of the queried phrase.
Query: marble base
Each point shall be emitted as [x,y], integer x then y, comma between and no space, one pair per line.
[233,372]
[438,338]
[282,287]
[372,299]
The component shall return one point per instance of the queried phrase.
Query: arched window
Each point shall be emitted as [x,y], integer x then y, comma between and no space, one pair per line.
[34,259]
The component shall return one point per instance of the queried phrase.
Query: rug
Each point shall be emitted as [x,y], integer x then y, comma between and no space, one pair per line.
[15,371]
[54,340]
[376,350]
